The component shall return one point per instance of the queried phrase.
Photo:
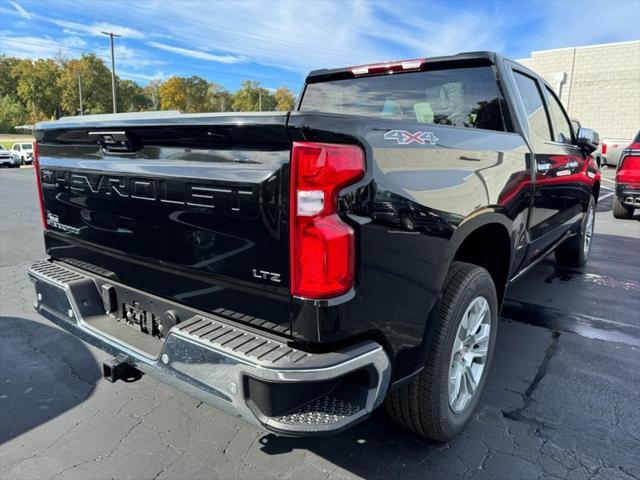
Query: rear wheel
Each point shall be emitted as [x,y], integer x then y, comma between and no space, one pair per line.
[575,251]
[439,402]
[620,210]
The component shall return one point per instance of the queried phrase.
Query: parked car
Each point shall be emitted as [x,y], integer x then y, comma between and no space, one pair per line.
[22,152]
[6,158]
[297,269]
[610,150]
[627,196]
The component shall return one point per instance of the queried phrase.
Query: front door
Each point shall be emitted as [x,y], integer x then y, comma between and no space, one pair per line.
[559,165]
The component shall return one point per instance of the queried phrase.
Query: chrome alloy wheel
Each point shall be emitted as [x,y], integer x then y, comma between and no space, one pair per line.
[588,230]
[469,355]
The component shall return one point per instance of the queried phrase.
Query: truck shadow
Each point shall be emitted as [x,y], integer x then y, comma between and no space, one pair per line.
[45,373]
[378,448]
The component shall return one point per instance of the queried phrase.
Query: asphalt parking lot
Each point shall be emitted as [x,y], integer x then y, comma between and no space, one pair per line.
[563,398]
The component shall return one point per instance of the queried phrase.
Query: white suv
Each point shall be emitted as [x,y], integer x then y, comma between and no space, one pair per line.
[6,158]
[22,153]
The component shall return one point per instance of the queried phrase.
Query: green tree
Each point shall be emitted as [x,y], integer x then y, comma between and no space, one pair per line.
[252,98]
[197,91]
[38,88]
[131,97]
[218,99]
[8,81]
[12,113]
[285,99]
[95,78]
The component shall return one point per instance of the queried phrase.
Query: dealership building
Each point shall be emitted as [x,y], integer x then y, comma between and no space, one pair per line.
[599,85]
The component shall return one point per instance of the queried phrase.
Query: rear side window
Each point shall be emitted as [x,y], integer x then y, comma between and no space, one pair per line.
[561,124]
[461,97]
[533,105]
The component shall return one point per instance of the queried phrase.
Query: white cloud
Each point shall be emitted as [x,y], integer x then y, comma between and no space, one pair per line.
[129,57]
[21,11]
[316,34]
[159,75]
[198,53]
[40,47]
[95,29]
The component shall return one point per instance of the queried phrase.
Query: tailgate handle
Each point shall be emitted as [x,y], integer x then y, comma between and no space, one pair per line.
[115,141]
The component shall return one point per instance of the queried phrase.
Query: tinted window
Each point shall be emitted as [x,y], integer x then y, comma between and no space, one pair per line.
[533,105]
[27,146]
[462,97]
[561,125]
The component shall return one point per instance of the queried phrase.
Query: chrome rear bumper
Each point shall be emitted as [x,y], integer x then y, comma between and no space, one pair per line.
[243,372]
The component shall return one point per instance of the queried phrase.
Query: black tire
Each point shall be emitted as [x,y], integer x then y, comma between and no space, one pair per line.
[575,251]
[620,210]
[407,223]
[423,406]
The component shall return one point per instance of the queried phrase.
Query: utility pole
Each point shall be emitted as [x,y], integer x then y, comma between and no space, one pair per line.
[80,93]
[113,70]
[260,99]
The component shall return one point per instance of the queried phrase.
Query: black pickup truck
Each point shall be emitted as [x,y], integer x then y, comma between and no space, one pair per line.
[299,269]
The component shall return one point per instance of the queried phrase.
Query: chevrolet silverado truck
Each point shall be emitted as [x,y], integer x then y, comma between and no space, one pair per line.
[301,269]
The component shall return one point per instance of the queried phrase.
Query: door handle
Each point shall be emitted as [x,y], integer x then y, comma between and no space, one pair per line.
[543,167]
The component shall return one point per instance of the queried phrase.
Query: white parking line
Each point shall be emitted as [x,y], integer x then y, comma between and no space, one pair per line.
[607,180]
[602,197]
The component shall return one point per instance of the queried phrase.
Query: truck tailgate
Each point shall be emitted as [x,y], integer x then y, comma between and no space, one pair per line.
[192,208]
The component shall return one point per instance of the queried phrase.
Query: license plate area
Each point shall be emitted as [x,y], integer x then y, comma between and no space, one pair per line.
[136,318]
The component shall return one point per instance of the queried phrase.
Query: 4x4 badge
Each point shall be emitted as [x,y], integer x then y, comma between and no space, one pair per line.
[404,137]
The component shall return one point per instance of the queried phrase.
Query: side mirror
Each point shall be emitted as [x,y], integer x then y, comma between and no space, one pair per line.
[588,139]
[575,124]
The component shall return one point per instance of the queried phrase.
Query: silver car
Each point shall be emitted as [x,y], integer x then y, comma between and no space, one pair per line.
[6,158]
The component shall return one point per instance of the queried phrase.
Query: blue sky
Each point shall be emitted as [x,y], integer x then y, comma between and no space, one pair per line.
[278,42]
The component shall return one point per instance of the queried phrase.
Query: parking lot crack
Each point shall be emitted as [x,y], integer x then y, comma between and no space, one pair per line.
[527,396]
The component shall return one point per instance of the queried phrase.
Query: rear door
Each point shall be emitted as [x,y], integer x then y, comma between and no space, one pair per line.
[558,163]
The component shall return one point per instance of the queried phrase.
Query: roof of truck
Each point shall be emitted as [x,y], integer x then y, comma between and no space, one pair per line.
[344,72]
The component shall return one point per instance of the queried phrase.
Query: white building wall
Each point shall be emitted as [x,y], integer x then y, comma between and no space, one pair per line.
[602,86]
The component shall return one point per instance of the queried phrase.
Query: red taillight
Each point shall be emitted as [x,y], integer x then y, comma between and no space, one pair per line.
[36,167]
[388,67]
[322,244]
[629,167]
[604,148]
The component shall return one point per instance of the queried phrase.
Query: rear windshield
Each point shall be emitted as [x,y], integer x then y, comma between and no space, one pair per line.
[461,97]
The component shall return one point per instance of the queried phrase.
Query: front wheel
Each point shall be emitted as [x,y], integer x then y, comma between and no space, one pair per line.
[439,402]
[575,251]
